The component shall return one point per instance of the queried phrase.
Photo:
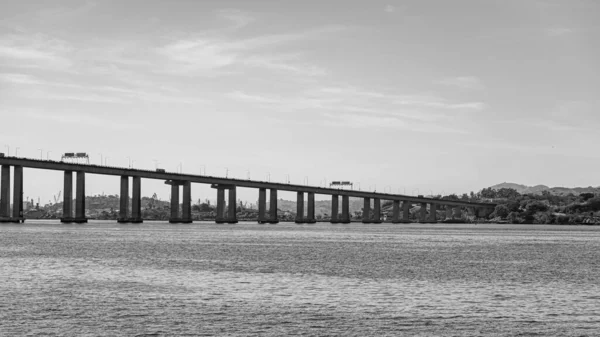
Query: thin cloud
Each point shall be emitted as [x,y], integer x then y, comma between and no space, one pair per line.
[55,90]
[389,9]
[208,54]
[34,51]
[559,31]
[238,18]
[463,82]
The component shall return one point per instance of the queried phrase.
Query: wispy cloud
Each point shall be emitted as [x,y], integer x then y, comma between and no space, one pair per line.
[559,31]
[34,51]
[355,107]
[463,82]
[205,54]
[238,18]
[35,87]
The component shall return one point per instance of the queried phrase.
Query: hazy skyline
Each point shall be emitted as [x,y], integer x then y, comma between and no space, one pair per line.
[440,96]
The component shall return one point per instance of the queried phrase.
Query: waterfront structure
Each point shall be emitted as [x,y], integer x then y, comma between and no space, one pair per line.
[370,215]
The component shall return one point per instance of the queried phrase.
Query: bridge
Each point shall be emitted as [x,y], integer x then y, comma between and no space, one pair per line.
[400,212]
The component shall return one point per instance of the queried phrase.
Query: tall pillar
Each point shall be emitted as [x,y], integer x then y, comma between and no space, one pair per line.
[335,204]
[174,203]
[433,212]
[273,206]
[136,200]
[396,211]
[232,204]
[448,212]
[68,197]
[80,198]
[310,208]
[376,210]
[18,193]
[423,217]
[300,207]
[406,211]
[367,211]
[457,213]
[345,209]
[124,199]
[262,204]
[220,205]
[5,192]
[186,203]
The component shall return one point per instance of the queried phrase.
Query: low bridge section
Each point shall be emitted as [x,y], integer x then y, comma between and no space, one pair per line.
[226,213]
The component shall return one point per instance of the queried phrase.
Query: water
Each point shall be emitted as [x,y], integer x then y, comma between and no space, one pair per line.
[158,279]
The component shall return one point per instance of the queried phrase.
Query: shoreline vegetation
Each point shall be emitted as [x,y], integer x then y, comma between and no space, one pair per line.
[512,208]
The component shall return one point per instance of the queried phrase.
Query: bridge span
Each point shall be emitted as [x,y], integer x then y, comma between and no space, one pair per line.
[226,212]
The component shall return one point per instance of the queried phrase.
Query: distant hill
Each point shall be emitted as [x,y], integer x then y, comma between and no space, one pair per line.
[538,189]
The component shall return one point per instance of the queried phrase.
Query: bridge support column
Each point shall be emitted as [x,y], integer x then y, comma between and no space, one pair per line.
[310,208]
[345,209]
[376,210]
[68,198]
[299,207]
[396,211]
[423,212]
[273,207]
[232,206]
[18,195]
[220,216]
[457,213]
[448,212]
[186,203]
[367,211]
[262,205]
[406,211]
[5,193]
[335,204]
[174,203]
[432,213]
[136,201]
[80,198]
[124,200]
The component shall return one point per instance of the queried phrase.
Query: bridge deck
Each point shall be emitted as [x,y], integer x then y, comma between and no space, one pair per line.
[148,174]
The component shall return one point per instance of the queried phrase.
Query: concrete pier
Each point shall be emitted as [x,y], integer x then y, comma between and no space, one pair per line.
[432,213]
[5,192]
[406,211]
[18,194]
[396,211]
[124,200]
[262,205]
[299,207]
[448,212]
[366,218]
[232,206]
[80,198]
[186,203]
[423,212]
[136,201]
[273,219]
[310,208]
[335,204]
[376,210]
[457,213]
[16,216]
[68,198]
[345,209]
[174,203]
[220,216]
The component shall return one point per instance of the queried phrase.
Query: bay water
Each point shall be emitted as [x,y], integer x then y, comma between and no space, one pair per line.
[203,279]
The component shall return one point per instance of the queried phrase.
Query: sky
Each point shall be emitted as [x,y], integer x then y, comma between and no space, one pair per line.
[410,97]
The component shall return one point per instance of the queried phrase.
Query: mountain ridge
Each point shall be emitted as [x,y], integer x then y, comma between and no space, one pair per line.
[538,189]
